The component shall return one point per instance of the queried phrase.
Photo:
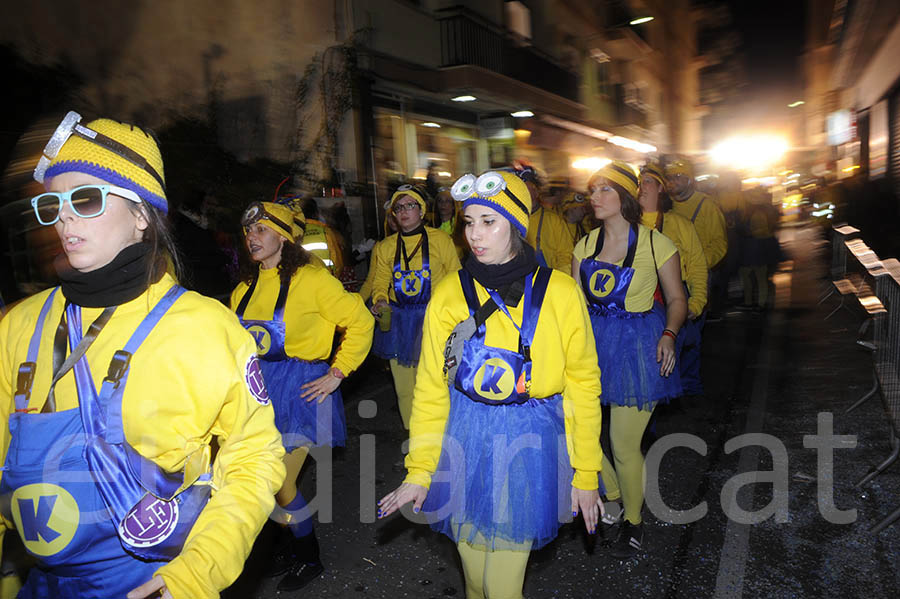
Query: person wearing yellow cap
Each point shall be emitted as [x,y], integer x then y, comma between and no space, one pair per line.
[408,264]
[506,354]
[620,266]
[120,354]
[547,231]
[658,214]
[576,209]
[292,307]
[699,208]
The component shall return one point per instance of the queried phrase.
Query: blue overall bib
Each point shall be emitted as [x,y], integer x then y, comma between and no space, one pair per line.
[85,503]
[412,289]
[299,422]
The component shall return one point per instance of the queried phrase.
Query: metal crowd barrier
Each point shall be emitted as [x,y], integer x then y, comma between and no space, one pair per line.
[839,238]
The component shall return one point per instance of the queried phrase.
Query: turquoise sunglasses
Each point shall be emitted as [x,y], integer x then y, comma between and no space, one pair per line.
[86,201]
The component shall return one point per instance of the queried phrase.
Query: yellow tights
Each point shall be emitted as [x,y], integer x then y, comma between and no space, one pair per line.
[626,479]
[493,574]
[404,383]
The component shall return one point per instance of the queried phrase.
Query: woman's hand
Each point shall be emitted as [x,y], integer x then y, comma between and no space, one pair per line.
[665,355]
[155,587]
[399,497]
[320,388]
[377,307]
[590,506]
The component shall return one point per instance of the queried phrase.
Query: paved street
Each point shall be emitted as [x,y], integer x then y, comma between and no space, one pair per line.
[770,374]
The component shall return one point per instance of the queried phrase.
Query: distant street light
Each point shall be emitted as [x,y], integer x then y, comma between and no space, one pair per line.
[640,21]
[522,114]
[796,104]
[466,98]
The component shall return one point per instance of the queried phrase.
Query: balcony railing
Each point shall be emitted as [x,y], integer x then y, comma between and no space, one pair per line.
[466,39]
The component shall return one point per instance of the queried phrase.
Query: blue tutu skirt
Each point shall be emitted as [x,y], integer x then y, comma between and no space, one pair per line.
[300,422]
[626,353]
[504,478]
[404,341]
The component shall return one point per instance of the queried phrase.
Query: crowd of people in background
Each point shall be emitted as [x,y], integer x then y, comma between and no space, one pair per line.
[505,304]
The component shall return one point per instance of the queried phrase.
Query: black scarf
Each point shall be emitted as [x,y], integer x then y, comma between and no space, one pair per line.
[500,276]
[120,281]
[416,231]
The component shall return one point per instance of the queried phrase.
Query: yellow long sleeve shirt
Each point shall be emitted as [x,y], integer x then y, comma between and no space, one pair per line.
[316,304]
[710,225]
[556,239]
[186,384]
[442,258]
[690,252]
[564,361]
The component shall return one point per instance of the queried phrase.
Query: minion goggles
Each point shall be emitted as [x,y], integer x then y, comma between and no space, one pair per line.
[256,212]
[70,126]
[487,185]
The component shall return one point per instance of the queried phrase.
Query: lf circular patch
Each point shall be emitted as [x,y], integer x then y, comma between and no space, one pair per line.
[46,517]
[150,522]
[255,383]
[602,282]
[495,380]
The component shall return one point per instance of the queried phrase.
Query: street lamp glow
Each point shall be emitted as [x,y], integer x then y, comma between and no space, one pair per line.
[796,104]
[521,114]
[432,125]
[640,21]
[751,152]
[590,164]
[464,99]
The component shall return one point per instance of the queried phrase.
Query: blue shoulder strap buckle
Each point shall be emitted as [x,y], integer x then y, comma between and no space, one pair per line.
[24,382]
[118,366]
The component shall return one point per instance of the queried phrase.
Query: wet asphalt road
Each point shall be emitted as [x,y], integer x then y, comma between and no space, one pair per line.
[772,374]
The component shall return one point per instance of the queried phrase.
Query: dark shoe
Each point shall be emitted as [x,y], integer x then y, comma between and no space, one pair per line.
[282,558]
[300,575]
[628,542]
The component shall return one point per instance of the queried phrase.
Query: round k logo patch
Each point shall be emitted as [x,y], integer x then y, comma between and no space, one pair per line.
[602,282]
[495,380]
[262,337]
[411,285]
[46,517]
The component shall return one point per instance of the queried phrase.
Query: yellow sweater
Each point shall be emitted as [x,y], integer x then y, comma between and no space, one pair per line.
[442,259]
[316,304]
[556,239]
[690,252]
[710,225]
[564,361]
[186,385]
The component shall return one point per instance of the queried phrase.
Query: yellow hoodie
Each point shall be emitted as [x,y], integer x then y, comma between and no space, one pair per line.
[710,225]
[316,304]
[690,252]
[186,384]
[564,361]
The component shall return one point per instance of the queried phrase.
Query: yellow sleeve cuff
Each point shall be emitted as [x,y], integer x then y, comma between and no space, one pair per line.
[419,477]
[586,480]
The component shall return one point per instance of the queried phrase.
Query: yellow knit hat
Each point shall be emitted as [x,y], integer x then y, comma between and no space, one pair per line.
[573,198]
[413,191]
[120,153]
[653,169]
[295,204]
[618,172]
[680,166]
[276,217]
[504,192]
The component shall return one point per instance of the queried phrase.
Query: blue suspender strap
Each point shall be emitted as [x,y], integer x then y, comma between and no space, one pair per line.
[697,210]
[468,288]
[278,315]
[426,260]
[632,246]
[118,368]
[279,303]
[25,376]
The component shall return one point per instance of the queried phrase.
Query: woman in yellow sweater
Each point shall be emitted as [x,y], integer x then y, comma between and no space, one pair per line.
[291,305]
[115,384]
[485,461]
[620,265]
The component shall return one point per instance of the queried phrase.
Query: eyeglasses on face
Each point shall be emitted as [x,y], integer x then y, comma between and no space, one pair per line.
[85,201]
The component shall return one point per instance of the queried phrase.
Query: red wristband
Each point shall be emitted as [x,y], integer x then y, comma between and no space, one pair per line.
[668,333]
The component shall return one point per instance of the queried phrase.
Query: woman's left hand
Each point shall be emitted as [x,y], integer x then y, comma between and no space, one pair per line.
[665,355]
[320,388]
[590,506]
[155,587]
